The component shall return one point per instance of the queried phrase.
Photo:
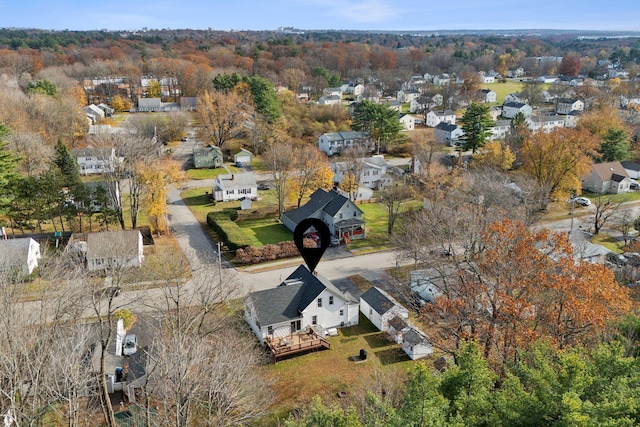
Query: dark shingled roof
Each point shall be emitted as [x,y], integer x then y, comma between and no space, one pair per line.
[446,127]
[328,201]
[287,301]
[514,104]
[378,300]
[617,178]
[413,337]
[398,323]
[631,166]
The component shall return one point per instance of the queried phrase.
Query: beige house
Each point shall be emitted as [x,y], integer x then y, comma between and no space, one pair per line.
[610,177]
[120,249]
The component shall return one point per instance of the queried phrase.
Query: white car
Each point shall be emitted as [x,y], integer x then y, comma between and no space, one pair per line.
[130,345]
[582,201]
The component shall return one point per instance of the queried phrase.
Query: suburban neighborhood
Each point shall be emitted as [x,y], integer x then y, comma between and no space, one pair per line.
[483,217]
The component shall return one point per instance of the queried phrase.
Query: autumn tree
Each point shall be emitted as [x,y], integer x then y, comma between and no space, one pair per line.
[351,168]
[606,207]
[120,103]
[477,124]
[311,171]
[153,89]
[558,159]
[222,116]
[393,198]
[156,177]
[570,65]
[495,155]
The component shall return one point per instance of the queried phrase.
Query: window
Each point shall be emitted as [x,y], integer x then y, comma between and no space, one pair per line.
[354,213]
[319,302]
[331,300]
[314,320]
[341,312]
[269,330]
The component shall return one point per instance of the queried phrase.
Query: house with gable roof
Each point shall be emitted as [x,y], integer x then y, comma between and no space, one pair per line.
[303,300]
[95,160]
[434,118]
[373,171]
[380,308]
[487,95]
[107,249]
[609,177]
[448,133]
[19,255]
[235,186]
[567,105]
[335,142]
[341,215]
[510,109]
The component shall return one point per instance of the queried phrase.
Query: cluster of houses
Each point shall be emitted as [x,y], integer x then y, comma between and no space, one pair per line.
[298,315]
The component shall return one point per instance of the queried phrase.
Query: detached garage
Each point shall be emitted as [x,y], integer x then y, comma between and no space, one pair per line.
[380,307]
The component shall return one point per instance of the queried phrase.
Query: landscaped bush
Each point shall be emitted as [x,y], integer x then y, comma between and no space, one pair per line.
[232,235]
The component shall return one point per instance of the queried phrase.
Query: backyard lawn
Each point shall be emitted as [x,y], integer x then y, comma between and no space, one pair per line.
[265,231]
[325,373]
[503,89]
[206,173]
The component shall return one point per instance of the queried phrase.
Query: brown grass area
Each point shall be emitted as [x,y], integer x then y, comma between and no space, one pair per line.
[324,373]
[360,282]
[166,260]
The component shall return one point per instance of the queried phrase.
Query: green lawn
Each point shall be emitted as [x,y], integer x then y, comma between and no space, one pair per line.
[503,89]
[265,231]
[206,173]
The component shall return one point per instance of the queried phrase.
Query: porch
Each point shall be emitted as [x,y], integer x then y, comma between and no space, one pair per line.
[352,228]
[299,342]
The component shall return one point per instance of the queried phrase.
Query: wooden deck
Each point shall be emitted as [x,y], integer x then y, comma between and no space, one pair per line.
[297,343]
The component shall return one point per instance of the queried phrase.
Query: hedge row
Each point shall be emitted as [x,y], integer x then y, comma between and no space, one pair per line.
[232,236]
[253,255]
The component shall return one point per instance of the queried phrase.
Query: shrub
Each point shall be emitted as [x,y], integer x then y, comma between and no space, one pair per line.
[126,315]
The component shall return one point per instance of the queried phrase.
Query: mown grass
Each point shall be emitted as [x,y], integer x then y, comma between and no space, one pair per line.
[265,231]
[206,173]
[503,89]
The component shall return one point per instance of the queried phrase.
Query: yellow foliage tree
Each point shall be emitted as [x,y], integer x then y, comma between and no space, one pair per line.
[153,90]
[120,103]
[156,177]
[496,156]
[311,171]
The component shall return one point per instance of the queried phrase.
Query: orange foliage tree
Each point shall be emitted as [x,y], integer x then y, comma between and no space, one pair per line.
[523,286]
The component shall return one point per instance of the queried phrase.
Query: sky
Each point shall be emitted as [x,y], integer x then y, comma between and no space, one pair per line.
[404,15]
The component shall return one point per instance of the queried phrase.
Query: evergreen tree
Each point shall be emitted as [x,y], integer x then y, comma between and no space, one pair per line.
[264,98]
[615,145]
[8,166]
[476,123]
[379,120]
[66,164]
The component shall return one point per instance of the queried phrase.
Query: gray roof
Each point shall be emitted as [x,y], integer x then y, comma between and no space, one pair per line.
[414,336]
[379,300]
[291,297]
[14,252]
[633,166]
[237,180]
[514,104]
[567,100]
[110,244]
[447,127]
[104,153]
[207,150]
[342,136]
[327,201]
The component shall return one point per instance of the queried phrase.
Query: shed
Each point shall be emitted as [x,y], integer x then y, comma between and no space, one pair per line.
[416,344]
[380,307]
[245,203]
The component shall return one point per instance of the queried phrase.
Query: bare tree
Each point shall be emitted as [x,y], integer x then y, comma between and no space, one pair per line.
[223,117]
[393,198]
[278,159]
[352,168]
[606,207]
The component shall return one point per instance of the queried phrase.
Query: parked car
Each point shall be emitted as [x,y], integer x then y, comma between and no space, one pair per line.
[130,345]
[185,138]
[264,186]
[334,241]
[583,201]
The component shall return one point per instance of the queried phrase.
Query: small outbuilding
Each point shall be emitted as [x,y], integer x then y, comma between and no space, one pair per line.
[380,307]
[416,344]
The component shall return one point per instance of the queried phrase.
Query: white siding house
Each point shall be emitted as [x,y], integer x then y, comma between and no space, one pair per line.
[335,142]
[510,109]
[434,118]
[95,160]
[380,307]
[416,344]
[114,249]
[19,255]
[235,187]
[302,300]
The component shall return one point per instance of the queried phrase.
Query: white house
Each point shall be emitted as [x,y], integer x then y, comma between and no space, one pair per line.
[567,105]
[380,307]
[355,89]
[407,121]
[19,255]
[486,79]
[515,97]
[335,142]
[416,344]
[500,130]
[632,169]
[510,109]
[441,80]
[407,95]
[446,133]
[495,111]
[235,186]
[95,160]
[93,113]
[332,91]
[114,249]
[434,118]
[330,100]
[609,177]
[372,169]
[545,123]
[487,95]
[302,300]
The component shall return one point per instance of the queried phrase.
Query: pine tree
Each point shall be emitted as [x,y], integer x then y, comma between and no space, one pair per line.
[8,166]
[476,123]
[67,164]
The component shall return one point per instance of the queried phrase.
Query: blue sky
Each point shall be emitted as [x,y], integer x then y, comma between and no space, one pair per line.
[622,15]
